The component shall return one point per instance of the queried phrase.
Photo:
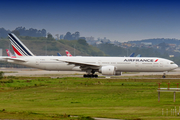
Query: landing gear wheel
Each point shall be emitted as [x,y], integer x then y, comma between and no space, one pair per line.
[96,76]
[163,76]
[90,76]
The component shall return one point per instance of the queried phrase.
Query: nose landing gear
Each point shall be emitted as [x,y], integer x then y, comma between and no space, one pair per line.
[164,75]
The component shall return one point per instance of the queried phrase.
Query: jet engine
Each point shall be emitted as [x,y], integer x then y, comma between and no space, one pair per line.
[108,70]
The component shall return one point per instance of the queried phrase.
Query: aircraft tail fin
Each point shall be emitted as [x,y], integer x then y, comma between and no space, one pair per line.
[132,55]
[19,48]
[58,54]
[68,53]
[10,54]
[139,55]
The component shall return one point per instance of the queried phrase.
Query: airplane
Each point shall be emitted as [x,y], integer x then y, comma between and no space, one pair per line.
[58,54]
[10,54]
[68,53]
[132,55]
[139,55]
[107,66]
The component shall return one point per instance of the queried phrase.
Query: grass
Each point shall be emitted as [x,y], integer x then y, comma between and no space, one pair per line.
[59,98]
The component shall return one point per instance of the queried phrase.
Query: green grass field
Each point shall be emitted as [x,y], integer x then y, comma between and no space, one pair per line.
[47,98]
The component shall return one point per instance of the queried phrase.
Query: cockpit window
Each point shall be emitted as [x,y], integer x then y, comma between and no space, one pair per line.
[171,62]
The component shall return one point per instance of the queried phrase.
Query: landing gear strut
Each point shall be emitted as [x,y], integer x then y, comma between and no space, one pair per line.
[90,74]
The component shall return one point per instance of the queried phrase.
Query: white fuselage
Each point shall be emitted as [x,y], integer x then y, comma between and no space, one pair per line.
[123,64]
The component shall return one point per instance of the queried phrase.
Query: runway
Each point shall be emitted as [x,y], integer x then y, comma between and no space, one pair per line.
[45,73]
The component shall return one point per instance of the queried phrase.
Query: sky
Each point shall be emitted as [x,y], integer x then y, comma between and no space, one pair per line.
[121,20]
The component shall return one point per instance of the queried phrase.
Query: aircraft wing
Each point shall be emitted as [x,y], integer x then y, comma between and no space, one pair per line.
[83,65]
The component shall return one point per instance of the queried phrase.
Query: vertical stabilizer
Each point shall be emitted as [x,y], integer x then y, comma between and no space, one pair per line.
[19,48]
[68,53]
[10,54]
[58,54]
[132,55]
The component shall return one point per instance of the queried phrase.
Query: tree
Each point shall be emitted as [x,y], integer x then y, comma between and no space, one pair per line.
[31,32]
[49,36]
[21,31]
[83,42]
[112,50]
[3,33]
[68,36]
[43,33]
[77,35]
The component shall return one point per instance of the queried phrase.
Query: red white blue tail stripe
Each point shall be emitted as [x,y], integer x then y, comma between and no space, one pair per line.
[10,54]
[68,53]
[19,48]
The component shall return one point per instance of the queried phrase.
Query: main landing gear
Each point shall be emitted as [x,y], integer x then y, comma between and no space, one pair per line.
[90,74]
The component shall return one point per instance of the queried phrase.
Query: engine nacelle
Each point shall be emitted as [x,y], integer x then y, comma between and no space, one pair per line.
[108,70]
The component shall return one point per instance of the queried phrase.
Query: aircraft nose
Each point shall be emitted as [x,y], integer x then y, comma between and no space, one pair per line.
[175,66]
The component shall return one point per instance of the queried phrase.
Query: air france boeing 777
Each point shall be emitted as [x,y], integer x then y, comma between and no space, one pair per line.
[103,65]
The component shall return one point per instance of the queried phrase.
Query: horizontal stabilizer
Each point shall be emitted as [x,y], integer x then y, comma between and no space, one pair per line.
[15,59]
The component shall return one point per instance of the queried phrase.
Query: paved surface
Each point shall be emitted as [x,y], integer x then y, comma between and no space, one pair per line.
[37,72]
